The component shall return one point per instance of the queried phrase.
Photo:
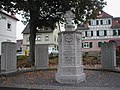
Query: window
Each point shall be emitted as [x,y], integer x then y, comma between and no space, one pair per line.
[38,37]
[100,44]
[92,22]
[88,33]
[87,44]
[105,21]
[116,32]
[46,38]
[3,17]
[102,33]
[9,26]
[27,38]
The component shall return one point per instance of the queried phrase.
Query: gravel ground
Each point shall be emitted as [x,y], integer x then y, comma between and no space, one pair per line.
[47,78]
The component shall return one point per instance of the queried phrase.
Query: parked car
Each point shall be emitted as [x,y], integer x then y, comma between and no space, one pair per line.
[20,53]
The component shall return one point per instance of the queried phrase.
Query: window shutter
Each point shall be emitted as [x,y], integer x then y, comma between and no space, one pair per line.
[85,33]
[105,33]
[82,45]
[101,22]
[109,21]
[114,33]
[97,22]
[91,33]
[90,44]
[97,33]
[118,32]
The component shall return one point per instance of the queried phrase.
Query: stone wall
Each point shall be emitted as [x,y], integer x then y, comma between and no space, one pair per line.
[8,57]
[41,56]
[108,56]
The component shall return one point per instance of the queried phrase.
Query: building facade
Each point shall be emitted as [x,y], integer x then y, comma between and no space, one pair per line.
[7,28]
[98,31]
[43,36]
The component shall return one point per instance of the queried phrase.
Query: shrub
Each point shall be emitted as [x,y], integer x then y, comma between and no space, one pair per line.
[21,57]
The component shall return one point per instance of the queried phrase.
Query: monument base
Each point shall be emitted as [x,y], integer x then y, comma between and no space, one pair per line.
[70,74]
[70,79]
[7,72]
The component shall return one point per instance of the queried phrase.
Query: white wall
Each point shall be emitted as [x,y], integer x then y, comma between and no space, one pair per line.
[5,34]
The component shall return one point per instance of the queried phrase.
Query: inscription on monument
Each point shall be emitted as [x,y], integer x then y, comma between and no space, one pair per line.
[68,53]
[69,70]
[69,60]
[68,47]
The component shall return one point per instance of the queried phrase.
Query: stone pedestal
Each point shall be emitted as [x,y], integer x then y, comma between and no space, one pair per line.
[108,56]
[41,56]
[8,57]
[70,68]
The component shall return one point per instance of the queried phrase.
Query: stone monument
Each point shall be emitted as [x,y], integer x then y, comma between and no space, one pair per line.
[8,57]
[108,56]
[41,56]
[70,68]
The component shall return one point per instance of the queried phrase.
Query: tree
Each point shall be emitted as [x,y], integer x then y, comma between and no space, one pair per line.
[45,13]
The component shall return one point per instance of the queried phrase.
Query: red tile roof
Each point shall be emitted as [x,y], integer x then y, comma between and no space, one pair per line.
[83,26]
[104,15]
[116,22]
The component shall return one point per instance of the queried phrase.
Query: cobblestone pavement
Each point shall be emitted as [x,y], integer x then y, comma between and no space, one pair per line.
[45,78]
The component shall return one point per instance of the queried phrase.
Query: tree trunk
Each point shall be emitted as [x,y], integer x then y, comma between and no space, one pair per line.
[32,42]
[32,24]
[34,16]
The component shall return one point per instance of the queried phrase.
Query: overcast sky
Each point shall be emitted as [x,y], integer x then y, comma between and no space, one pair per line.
[112,8]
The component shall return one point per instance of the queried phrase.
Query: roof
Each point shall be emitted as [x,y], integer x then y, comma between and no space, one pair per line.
[115,22]
[104,15]
[27,30]
[83,27]
[12,16]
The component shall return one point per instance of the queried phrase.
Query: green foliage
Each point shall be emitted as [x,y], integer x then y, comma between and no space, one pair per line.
[52,57]
[21,57]
[45,13]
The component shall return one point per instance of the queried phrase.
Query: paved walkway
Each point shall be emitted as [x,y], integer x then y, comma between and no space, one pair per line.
[80,88]
[45,80]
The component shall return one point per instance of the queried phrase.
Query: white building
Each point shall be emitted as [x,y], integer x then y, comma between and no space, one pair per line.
[43,36]
[7,28]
